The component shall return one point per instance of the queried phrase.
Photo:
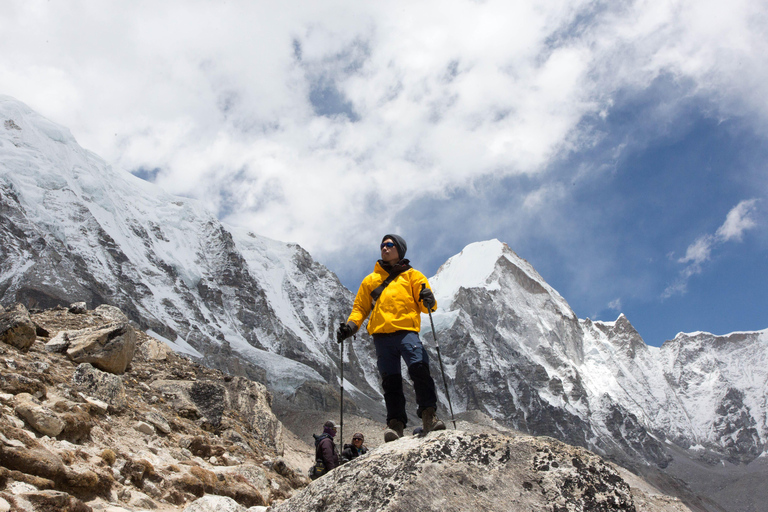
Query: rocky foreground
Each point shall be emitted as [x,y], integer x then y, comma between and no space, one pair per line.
[455,471]
[96,415]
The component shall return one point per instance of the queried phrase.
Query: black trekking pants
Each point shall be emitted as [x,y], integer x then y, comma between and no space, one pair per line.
[390,348]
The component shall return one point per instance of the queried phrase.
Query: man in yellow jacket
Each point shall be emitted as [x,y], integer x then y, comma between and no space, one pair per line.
[395,295]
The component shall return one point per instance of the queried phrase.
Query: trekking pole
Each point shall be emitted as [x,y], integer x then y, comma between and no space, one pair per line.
[440,359]
[341,411]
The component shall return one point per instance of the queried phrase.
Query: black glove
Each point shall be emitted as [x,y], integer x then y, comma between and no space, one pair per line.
[427,298]
[345,331]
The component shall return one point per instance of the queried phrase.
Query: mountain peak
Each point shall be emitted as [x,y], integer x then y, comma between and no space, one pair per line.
[30,127]
[472,267]
[483,265]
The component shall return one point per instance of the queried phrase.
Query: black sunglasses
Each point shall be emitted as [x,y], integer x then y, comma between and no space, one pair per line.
[387,244]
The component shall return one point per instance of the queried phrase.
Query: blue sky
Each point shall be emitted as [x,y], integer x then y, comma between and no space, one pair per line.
[620,147]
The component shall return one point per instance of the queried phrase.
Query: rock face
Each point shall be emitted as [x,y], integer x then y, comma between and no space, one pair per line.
[206,401]
[454,471]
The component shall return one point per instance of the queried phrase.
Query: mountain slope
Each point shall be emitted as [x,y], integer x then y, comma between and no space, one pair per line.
[595,384]
[75,229]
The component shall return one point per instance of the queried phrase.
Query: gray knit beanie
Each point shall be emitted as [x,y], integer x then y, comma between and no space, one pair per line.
[400,244]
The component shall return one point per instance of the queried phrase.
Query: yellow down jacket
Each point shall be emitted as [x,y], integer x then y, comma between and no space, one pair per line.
[398,307]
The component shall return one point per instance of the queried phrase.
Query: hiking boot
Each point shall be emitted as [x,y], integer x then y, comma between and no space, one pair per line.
[394,431]
[430,421]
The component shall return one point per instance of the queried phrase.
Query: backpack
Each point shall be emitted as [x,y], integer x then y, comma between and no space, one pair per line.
[318,468]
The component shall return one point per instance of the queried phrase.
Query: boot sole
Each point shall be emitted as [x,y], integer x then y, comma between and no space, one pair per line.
[390,436]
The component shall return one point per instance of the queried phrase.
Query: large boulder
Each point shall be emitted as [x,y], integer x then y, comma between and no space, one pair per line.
[454,471]
[254,403]
[209,400]
[110,347]
[102,385]
[17,328]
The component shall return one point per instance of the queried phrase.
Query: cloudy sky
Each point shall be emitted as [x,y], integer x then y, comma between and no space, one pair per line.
[620,147]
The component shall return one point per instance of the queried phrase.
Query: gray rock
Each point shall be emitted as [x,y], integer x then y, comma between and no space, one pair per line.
[17,328]
[454,471]
[111,313]
[251,473]
[58,344]
[109,348]
[78,308]
[15,383]
[211,503]
[96,405]
[39,417]
[176,393]
[154,350]
[158,421]
[207,400]
[144,428]
[102,385]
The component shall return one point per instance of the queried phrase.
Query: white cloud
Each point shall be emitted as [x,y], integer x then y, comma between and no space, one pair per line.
[219,96]
[738,220]
[699,251]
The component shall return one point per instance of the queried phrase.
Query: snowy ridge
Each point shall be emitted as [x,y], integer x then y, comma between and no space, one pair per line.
[75,228]
[591,383]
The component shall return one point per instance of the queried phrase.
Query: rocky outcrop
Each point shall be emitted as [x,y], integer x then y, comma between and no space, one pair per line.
[109,347]
[79,438]
[102,385]
[455,471]
[16,327]
[206,401]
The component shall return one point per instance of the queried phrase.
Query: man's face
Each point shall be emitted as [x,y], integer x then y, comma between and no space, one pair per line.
[389,254]
[357,442]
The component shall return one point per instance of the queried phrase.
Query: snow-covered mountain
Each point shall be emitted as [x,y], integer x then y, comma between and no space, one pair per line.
[72,228]
[515,349]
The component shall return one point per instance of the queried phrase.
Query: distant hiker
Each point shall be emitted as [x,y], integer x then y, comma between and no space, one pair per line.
[392,294]
[354,450]
[326,456]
